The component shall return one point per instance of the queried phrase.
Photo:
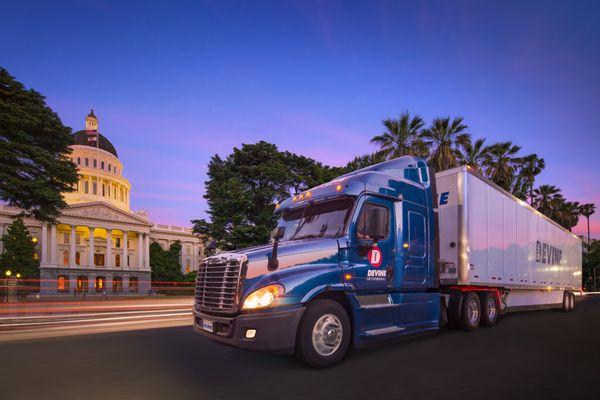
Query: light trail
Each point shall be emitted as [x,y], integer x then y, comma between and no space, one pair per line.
[87,315]
[99,320]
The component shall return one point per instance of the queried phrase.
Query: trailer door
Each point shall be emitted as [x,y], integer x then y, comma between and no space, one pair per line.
[412,257]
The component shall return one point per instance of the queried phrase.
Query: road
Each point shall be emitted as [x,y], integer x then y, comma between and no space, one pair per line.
[31,320]
[534,355]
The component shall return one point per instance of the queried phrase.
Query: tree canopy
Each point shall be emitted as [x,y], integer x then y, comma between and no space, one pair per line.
[166,264]
[34,144]
[19,251]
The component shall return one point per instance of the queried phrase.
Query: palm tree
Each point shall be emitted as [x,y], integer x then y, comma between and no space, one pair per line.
[444,137]
[500,163]
[587,210]
[401,136]
[568,214]
[530,166]
[545,198]
[473,154]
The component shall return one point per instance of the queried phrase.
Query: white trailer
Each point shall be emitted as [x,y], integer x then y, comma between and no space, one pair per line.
[488,238]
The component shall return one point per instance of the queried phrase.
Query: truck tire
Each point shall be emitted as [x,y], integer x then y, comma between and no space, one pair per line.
[443,315]
[567,302]
[572,301]
[490,309]
[324,334]
[470,312]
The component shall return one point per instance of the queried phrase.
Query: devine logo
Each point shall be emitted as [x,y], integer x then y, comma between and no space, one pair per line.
[547,254]
[375,257]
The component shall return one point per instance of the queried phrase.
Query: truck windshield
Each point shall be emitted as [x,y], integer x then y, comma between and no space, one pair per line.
[324,219]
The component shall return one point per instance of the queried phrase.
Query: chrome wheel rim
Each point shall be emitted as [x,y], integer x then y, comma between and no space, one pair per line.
[327,335]
[473,312]
[492,311]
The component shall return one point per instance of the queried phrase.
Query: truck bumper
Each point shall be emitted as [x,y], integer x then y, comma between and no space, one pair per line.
[275,330]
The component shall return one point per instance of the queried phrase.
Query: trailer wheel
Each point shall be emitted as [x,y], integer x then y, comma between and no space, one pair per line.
[470,315]
[324,334]
[443,315]
[490,309]
[572,301]
[567,302]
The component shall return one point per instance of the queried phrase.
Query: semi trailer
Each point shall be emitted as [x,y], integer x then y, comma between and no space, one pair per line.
[382,253]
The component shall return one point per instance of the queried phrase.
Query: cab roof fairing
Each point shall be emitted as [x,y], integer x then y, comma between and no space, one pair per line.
[378,182]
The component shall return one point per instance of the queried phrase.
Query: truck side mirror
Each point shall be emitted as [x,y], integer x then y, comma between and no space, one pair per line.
[279,233]
[377,223]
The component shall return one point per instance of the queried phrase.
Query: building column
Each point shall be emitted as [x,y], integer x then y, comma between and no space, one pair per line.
[183,257]
[53,245]
[124,261]
[194,257]
[44,243]
[91,249]
[108,260]
[140,252]
[72,242]
[147,250]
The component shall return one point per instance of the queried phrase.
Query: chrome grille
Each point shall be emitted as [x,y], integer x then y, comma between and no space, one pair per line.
[217,285]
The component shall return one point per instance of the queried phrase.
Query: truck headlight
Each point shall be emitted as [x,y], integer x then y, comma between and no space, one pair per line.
[263,297]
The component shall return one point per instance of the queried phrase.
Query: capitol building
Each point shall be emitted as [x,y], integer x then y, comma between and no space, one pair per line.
[99,245]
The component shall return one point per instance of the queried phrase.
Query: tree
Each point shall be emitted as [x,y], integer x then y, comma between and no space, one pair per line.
[364,161]
[549,200]
[473,154]
[444,138]
[587,210]
[19,252]
[401,137]
[34,144]
[166,264]
[501,162]
[529,167]
[242,191]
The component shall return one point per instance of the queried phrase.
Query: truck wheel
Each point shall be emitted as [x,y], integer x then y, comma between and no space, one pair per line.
[490,309]
[572,301]
[443,315]
[566,307]
[470,314]
[324,334]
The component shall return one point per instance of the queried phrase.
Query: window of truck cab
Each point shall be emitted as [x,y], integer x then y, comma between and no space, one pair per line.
[319,219]
[361,224]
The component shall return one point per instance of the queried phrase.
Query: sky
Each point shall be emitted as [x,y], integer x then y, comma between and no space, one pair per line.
[175,82]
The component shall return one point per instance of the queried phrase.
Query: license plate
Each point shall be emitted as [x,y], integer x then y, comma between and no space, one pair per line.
[207,326]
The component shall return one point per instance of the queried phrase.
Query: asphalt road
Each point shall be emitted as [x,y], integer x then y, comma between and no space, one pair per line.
[534,355]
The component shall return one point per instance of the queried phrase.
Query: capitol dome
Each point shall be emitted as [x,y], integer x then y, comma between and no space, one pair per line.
[100,170]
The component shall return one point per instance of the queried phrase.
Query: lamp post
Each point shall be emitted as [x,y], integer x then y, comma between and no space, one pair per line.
[8,273]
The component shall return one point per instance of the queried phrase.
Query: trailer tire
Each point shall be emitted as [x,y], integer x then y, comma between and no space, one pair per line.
[567,302]
[490,309]
[470,313]
[324,334]
[443,315]
[572,301]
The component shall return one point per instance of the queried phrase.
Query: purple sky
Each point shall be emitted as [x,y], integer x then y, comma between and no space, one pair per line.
[174,84]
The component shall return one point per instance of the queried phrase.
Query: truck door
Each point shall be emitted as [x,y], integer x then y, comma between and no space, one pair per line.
[372,265]
[412,260]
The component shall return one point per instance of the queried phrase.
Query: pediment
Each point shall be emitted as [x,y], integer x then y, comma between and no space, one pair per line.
[103,212]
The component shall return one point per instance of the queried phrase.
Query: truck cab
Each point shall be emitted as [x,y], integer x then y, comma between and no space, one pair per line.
[352,262]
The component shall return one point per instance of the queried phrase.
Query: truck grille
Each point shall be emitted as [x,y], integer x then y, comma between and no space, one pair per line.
[217,285]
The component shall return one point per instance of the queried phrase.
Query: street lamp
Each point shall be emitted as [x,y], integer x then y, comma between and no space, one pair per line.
[8,273]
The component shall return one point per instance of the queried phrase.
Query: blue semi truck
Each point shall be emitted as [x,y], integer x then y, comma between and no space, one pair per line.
[386,252]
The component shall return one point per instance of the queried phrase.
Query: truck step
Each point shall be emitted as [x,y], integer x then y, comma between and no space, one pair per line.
[382,331]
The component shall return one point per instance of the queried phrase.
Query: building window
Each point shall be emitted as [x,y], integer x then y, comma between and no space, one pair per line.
[87,162]
[103,190]
[117,284]
[108,167]
[86,187]
[94,188]
[82,284]
[121,194]
[118,260]
[118,243]
[134,284]
[99,260]
[99,284]
[95,163]
[101,164]
[77,258]
[187,266]
[66,238]
[77,239]
[62,283]
[128,262]
[65,257]
[108,190]
[78,160]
